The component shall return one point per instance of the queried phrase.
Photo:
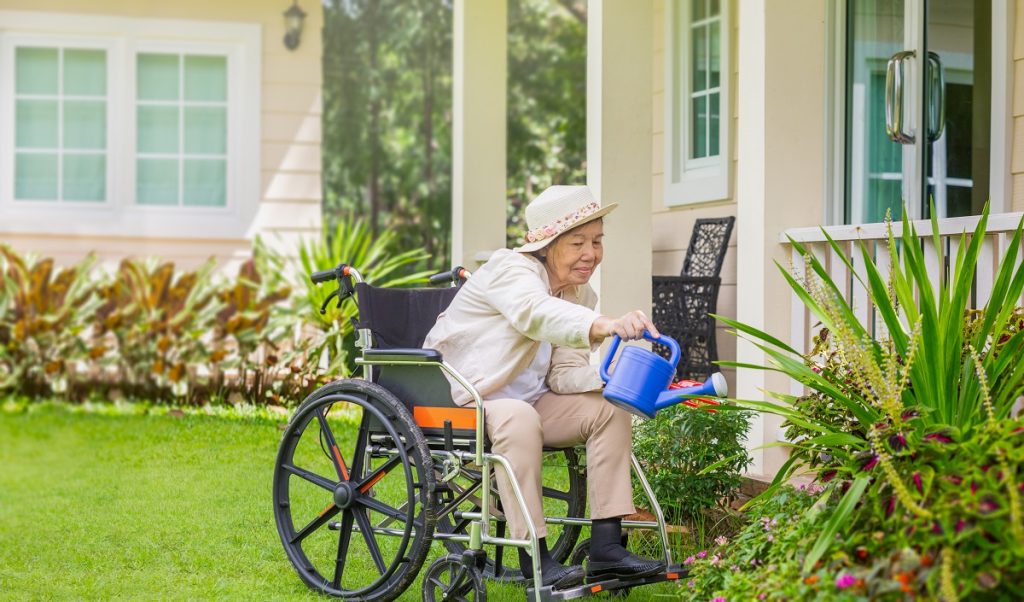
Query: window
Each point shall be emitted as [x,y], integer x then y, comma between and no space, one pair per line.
[109,126]
[696,101]
[60,124]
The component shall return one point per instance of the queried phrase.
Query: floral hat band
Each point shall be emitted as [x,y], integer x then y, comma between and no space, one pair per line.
[563,223]
[557,210]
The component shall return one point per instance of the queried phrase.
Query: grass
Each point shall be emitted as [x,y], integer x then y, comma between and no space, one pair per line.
[148,505]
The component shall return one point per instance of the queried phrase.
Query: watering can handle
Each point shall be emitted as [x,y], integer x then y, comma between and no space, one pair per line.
[665,340]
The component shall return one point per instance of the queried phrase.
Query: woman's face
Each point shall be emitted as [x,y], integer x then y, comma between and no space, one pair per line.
[574,255]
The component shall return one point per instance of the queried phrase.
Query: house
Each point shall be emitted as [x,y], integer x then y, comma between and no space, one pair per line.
[778,113]
[174,129]
[786,114]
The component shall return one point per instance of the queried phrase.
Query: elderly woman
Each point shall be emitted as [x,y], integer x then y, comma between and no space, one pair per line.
[521,330]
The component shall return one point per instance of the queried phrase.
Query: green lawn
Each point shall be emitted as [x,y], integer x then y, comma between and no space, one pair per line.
[114,505]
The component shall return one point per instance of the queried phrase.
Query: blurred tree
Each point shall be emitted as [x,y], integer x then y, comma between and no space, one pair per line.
[387,69]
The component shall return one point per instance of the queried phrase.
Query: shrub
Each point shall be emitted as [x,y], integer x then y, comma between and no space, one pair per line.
[44,314]
[676,448]
[912,434]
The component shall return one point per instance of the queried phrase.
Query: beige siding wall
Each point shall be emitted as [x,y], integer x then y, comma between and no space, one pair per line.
[671,226]
[1017,161]
[290,83]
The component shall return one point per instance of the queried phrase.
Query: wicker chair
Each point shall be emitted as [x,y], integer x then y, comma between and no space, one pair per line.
[682,304]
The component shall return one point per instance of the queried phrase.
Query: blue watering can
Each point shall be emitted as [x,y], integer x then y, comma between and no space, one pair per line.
[641,379]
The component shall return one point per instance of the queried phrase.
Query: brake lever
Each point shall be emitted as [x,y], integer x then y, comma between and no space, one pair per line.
[327,301]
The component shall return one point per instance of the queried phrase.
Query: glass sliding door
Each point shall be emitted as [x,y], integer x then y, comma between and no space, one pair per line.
[917,107]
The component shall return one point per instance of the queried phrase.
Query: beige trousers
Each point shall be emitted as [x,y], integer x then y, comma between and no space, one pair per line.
[519,431]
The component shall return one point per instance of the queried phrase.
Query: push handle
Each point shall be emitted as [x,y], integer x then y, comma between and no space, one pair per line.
[454,276]
[894,118]
[665,340]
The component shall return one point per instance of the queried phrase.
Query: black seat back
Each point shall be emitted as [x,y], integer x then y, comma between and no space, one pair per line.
[400,318]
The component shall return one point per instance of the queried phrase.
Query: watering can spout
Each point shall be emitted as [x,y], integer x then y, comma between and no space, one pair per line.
[714,386]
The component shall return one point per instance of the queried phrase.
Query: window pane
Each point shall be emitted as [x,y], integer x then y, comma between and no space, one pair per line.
[85,72]
[36,70]
[85,124]
[699,58]
[35,176]
[698,9]
[699,121]
[157,130]
[35,124]
[156,181]
[714,61]
[205,182]
[713,126]
[206,78]
[158,77]
[85,177]
[206,130]
[713,8]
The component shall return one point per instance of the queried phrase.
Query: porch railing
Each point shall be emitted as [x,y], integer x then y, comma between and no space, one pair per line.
[998,235]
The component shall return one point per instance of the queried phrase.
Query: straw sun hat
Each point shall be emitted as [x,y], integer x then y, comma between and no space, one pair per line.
[557,210]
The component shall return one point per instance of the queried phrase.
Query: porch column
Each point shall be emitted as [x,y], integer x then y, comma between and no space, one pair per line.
[779,181]
[478,128]
[619,146]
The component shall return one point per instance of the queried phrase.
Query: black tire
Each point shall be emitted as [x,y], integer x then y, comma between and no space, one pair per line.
[386,483]
[565,494]
[450,580]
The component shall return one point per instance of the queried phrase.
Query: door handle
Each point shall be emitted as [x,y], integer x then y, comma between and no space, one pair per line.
[936,97]
[894,118]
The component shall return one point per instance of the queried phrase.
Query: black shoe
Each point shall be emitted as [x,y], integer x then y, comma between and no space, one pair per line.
[562,577]
[630,567]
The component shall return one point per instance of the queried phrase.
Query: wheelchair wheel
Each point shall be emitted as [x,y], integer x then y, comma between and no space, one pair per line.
[353,493]
[565,494]
[449,579]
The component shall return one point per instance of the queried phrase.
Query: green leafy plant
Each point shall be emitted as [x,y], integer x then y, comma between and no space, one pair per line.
[877,407]
[380,263]
[153,325]
[44,313]
[693,457]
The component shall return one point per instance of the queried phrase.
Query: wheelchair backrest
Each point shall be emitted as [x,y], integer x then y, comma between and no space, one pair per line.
[401,319]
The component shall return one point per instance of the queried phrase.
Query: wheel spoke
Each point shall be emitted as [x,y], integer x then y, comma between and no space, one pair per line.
[381,507]
[339,462]
[327,514]
[380,472]
[361,439]
[551,492]
[316,479]
[343,540]
[371,542]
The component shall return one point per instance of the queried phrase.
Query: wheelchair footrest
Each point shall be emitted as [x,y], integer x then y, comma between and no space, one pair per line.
[674,573]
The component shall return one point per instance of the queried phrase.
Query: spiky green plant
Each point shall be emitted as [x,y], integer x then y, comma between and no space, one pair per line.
[921,384]
[380,263]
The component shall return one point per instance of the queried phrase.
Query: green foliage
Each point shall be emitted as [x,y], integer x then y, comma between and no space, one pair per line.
[380,264]
[43,317]
[547,102]
[388,105]
[693,457]
[918,422]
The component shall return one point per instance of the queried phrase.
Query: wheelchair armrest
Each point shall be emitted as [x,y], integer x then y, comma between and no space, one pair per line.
[388,356]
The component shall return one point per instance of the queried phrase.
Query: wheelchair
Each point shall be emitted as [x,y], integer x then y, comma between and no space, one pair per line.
[371,471]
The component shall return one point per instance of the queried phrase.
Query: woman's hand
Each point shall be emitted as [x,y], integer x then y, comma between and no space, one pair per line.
[629,327]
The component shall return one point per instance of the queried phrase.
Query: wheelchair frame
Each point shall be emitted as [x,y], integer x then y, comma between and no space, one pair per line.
[455,460]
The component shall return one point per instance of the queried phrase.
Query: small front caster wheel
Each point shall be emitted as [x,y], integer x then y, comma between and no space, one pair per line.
[449,579]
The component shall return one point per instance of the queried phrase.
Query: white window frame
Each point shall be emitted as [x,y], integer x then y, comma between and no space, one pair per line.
[124,38]
[707,179]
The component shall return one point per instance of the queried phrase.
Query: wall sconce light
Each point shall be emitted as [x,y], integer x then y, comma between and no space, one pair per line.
[293,18]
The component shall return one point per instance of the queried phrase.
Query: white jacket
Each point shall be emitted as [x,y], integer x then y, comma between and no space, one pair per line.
[492,329]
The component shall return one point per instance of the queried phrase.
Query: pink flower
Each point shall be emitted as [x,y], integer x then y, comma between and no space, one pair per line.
[869,462]
[719,599]
[721,540]
[702,554]
[762,596]
[898,442]
[715,560]
[691,584]
[845,581]
[689,560]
